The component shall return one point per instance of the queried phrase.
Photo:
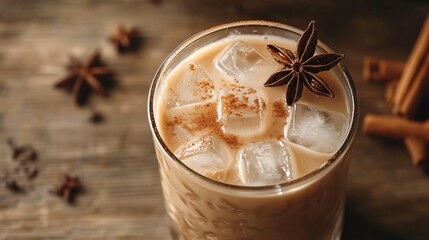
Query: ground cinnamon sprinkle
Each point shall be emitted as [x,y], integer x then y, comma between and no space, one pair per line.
[279,109]
[204,89]
[206,122]
[234,105]
[230,103]
[251,91]
[209,122]
[192,67]
[204,119]
[231,140]
[177,120]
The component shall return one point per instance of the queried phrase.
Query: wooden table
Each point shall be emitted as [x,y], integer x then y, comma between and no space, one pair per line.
[387,197]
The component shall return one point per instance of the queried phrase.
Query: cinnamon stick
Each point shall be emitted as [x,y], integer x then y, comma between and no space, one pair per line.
[381,70]
[410,101]
[414,62]
[391,86]
[408,107]
[418,150]
[395,127]
[406,95]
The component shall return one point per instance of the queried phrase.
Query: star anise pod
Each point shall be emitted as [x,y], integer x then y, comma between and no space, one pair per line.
[12,184]
[93,76]
[23,153]
[300,68]
[126,39]
[68,188]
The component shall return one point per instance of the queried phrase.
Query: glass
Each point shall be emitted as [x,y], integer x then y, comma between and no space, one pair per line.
[310,207]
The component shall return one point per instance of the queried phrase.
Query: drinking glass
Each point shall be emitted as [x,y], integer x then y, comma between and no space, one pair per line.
[310,207]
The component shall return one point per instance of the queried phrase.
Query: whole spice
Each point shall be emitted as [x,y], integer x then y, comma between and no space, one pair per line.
[416,91]
[416,65]
[12,185]
[24,157]
[385,69]
[418,150]
[408,97]
[300,68]
[68,188]
[93,76]
[381,70]
[126,39]
[22,153]
[395,127]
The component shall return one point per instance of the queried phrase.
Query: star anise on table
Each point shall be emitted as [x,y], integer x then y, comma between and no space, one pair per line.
[25,157]
[68,188]
[22,153]
[300,68]
[126,39]
[83,79]
[12,185]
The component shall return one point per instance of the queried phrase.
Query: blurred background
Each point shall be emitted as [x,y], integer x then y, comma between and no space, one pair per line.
[387,197]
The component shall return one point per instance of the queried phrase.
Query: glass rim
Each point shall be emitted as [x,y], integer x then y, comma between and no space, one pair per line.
[248,23]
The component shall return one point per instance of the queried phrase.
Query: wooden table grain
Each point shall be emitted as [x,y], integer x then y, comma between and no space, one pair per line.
[387,198]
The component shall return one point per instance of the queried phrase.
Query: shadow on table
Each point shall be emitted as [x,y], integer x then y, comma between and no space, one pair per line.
[357,228]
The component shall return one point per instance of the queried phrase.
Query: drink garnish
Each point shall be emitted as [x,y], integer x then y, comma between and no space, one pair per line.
[300,69]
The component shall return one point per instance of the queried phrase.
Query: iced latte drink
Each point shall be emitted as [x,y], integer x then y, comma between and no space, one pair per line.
[252,126]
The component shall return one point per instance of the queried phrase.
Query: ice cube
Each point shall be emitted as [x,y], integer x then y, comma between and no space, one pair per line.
[320,130]
[244,64]
[191,86]
[241,111]
[264,163]
[205,154]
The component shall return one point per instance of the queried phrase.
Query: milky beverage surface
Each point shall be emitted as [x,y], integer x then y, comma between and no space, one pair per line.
[216,116]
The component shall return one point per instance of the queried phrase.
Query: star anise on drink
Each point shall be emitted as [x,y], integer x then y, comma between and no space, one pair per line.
[126,39]
[300,68]
[68,188]
[83,79]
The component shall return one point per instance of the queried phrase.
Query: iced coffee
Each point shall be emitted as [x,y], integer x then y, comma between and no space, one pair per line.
[252,129]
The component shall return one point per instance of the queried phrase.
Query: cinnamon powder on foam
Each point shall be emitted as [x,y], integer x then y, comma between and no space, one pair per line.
[208,122]
[279,109]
